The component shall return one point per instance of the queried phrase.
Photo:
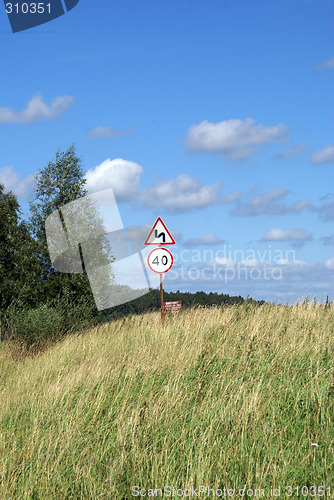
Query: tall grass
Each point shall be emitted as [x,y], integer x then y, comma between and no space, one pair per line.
[235,397]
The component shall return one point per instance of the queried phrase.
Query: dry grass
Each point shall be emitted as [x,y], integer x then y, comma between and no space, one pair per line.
[225,397]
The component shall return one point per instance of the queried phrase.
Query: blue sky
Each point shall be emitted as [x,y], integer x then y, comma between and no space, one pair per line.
[216,116]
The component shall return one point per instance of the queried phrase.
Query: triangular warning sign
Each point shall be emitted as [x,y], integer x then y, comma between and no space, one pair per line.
[159,235]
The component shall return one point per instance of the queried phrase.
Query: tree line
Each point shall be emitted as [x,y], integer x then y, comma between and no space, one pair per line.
[36,301]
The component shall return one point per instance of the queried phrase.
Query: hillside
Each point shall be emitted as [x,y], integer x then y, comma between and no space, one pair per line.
[226,397]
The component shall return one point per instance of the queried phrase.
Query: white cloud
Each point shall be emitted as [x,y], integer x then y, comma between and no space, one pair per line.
[180,194]
[231,197]
[330,263]
[270,203]
[295,234]
[236,138]
[104,132]
[21,187]
[292,264]
[222,261]
[36,109]
[121,175]
[185,193]
[323,155]
[206,239]
[175,195]
[326,64]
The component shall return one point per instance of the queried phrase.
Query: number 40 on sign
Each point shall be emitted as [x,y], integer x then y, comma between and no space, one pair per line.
[160,260]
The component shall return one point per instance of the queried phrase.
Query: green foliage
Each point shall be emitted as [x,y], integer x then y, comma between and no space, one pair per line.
[60,182]
[33,326]
[151,302]
[37,303]
[47,322]
[19,267]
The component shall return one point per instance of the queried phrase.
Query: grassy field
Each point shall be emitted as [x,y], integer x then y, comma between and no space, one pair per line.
[235,397]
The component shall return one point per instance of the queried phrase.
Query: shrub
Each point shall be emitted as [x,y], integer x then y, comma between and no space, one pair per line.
[33,326]
[47,322]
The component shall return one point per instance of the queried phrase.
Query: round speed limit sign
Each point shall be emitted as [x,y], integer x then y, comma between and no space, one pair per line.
[160,260]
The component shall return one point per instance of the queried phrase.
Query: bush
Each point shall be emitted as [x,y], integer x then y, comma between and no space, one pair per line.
[47,322]
[33,326]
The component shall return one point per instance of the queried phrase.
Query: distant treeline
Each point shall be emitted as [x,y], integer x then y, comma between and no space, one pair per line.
[152,302]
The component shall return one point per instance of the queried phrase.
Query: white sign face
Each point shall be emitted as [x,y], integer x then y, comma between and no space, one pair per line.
[159,234]
[160,260]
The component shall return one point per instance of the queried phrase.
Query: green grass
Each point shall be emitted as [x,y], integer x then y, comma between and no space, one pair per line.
[232,397]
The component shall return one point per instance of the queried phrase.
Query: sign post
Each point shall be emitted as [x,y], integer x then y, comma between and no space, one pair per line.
[162,301]
[160,260]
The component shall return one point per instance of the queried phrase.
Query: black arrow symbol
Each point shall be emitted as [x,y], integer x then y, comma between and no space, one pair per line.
[159,235]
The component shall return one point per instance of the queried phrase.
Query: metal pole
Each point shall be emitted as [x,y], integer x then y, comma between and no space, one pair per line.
[162,300]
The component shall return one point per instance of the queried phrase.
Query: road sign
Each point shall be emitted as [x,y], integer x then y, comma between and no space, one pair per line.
[159,234]
[160,260]
[174,305]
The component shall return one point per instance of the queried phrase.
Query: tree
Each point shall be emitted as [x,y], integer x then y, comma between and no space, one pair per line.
[19,265]
[59,183]
[62,181]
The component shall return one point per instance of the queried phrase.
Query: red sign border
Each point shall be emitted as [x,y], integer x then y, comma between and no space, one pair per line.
[154,250]
[164,225]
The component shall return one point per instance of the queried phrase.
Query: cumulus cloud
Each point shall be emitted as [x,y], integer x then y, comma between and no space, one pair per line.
[175,195]
[206,239]
[295,235]
[12,180]
[326,64]
[185,193]
[270,203]
[180,194]
[330,263]
[231,197]
[104,132]
[236,138]
[276,234]
[121,175]
[36,109]
[323,155]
